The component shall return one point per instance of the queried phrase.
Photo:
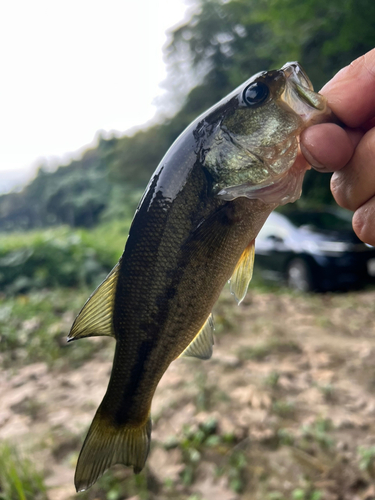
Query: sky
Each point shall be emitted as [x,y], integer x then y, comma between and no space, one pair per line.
[71,68]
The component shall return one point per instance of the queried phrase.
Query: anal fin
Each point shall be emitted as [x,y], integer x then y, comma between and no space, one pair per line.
[201,345]
[241,277]
[95,317]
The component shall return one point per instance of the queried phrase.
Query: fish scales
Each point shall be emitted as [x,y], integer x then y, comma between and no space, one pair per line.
[172,282]
[194,228]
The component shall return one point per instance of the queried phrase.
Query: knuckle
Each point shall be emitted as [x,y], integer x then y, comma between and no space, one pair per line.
[340,190]
[364,223]
[359,224]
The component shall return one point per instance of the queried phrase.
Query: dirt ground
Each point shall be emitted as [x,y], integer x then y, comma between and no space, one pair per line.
[284,409]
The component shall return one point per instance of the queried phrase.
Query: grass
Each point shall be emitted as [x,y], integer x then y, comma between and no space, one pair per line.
[109,237]
[45,278]
[59,257]
[366,457]
[19,478]
[270,346]
[205,439]
[192,445]
[34,327]
[306,494]
[284,409]
[319,432]
[235,470]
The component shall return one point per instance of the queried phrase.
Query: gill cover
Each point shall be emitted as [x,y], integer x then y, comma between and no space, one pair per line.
[256,141]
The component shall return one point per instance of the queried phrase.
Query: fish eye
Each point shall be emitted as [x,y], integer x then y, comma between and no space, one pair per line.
[255,93]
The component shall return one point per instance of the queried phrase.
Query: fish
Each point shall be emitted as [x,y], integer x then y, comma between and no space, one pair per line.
[194,229]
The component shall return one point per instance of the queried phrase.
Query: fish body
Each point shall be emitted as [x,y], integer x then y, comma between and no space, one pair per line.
[193,229]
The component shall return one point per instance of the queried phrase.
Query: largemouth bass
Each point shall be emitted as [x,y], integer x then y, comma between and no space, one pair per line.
[193,230]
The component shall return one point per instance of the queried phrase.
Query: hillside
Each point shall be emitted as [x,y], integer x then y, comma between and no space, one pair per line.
[222,45]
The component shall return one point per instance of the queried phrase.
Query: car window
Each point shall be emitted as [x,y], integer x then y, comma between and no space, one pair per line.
[272,230]
[276,225]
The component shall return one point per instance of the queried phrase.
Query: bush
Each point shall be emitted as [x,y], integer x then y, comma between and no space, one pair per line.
[58,257]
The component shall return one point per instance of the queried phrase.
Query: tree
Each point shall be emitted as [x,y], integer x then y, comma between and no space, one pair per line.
[223,44]
[226,42]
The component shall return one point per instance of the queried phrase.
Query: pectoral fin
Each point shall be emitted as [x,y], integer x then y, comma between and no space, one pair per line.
[243,273]
[95,317]
[201,346]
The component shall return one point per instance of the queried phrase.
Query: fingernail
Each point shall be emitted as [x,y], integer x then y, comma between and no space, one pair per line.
[311,160]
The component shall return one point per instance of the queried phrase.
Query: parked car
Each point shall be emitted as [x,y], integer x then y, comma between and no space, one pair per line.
[313,250]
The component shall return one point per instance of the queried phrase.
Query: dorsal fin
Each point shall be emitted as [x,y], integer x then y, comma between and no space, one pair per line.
[201,345]
[95,317]
[243,273]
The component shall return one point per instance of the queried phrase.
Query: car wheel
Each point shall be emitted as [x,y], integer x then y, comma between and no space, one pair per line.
[299,276]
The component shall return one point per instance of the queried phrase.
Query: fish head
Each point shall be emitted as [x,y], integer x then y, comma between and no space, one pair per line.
[254,135]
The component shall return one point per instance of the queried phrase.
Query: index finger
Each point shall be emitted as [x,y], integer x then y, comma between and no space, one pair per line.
[351,92]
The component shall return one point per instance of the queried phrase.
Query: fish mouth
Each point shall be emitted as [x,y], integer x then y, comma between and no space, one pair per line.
[300,96]
[295,71]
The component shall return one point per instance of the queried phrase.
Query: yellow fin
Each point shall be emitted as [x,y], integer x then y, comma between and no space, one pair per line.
[241,277]
[106,445]
[95,317]
[201,345]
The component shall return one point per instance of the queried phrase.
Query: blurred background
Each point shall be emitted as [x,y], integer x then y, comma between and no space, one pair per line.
[93,95]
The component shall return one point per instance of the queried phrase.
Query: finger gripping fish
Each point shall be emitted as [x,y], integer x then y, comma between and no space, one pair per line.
[193,230]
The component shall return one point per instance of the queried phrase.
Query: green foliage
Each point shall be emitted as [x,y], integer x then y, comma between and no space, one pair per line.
[285,437]
[75,194]
[273,345]
[19,479]
[236,471]
[49,262]
[196,442]
[223,44]
[192,446]
[44,264]
[284,409]
[239,38]
[272,379]
[319,432]
[136,157]
[275,495]
[59,257]
[366,458]
[324,36]
[34,328]
[306,494]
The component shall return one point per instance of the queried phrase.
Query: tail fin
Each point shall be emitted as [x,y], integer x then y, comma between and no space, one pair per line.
[106,445]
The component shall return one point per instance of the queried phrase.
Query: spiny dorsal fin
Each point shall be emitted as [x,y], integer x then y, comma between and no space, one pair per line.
[201,346]
[243,273]
[95,317]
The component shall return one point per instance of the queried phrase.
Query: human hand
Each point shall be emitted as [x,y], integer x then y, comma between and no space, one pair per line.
[349,152]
